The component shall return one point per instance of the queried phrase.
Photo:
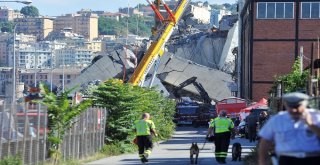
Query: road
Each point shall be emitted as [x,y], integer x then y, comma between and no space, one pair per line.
[176,150]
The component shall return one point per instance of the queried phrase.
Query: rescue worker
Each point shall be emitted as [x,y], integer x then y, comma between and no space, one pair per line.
[144,129]
[251,124]
[295,133]
[222,127]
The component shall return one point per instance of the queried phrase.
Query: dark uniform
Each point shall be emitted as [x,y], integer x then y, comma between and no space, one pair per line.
[143,129]
[222,133]
[251,122]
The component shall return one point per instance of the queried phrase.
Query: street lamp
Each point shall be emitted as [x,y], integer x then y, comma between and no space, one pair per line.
[27,2]
[14,65]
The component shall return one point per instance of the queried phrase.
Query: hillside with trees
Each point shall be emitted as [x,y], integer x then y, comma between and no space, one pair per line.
[136,25]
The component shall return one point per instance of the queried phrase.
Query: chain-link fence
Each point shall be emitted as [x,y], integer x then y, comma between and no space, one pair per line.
[24,130]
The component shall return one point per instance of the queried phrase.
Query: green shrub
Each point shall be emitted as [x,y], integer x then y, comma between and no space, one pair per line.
[117,148]
[11,160]
[126,103]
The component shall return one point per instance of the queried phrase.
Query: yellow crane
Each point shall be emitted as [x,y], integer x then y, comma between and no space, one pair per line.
[156,49]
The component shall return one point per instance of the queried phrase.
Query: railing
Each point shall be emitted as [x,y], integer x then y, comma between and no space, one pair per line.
[23,133]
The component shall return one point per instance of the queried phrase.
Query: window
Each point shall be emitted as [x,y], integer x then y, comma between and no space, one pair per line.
[271,10]
[275,10]
[280,10]
[310,10]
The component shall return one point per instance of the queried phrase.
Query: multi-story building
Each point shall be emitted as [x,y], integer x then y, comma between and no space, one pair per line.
[22,42]
[95,46]
[201,14]
[216,16]
[4,39]
[85,24]
[37,26]
[52,77]
[116,16]
[272,33]
[71,56]
[6,46]
[6,84]
[6,14]
[35,58]
[5,79]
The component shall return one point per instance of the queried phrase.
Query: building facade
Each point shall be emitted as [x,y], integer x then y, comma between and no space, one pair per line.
[85,24]
[52,77]
[272,33]
[39,26]
[217,15]
[35,58]
[4,39]
[6,46]
[6,14]
[73,57]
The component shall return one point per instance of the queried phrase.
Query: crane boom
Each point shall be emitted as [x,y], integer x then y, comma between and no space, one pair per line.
[157,47]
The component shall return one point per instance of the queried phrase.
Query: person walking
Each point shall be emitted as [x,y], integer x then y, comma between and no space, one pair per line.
[222,127]
[263,117]
[294,132]
[251,123]
[144,129]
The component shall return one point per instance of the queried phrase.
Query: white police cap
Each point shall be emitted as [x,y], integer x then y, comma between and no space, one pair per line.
[295,99]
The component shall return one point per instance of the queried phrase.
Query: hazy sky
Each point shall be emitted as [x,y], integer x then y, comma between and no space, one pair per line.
[60,7]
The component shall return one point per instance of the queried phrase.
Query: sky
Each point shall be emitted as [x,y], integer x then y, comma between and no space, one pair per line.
[61,7]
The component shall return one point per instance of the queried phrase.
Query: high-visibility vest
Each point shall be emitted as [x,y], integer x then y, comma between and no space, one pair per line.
[222,124]
[143,127]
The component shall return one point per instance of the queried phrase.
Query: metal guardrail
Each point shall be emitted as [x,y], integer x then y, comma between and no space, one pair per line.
[23,132]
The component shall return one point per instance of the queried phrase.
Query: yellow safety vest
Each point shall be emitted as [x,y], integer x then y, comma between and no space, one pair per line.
[143,127]
[222,124]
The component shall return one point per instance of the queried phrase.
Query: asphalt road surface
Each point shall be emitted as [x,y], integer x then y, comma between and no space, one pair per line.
[176,150]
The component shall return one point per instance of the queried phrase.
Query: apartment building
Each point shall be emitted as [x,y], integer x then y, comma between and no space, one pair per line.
[272,33]
[6,46]
[116,16]
[6,14]
[22,42]
[35,58]
[54,77]
[95,46]
[4,38]
[85,24]
[72,56]
[38,26]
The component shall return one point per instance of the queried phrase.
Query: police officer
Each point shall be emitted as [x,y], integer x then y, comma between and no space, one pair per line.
[295,133]
[251,124]
[144,129]
[222,127]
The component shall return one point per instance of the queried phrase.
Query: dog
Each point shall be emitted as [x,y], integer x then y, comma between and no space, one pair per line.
[236,152]
[194,150]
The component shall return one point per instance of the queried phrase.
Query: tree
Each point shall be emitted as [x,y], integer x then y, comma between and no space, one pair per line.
[6,26]
[61,116]
[126,103]
[109,26]
[294,81]
[30,11]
